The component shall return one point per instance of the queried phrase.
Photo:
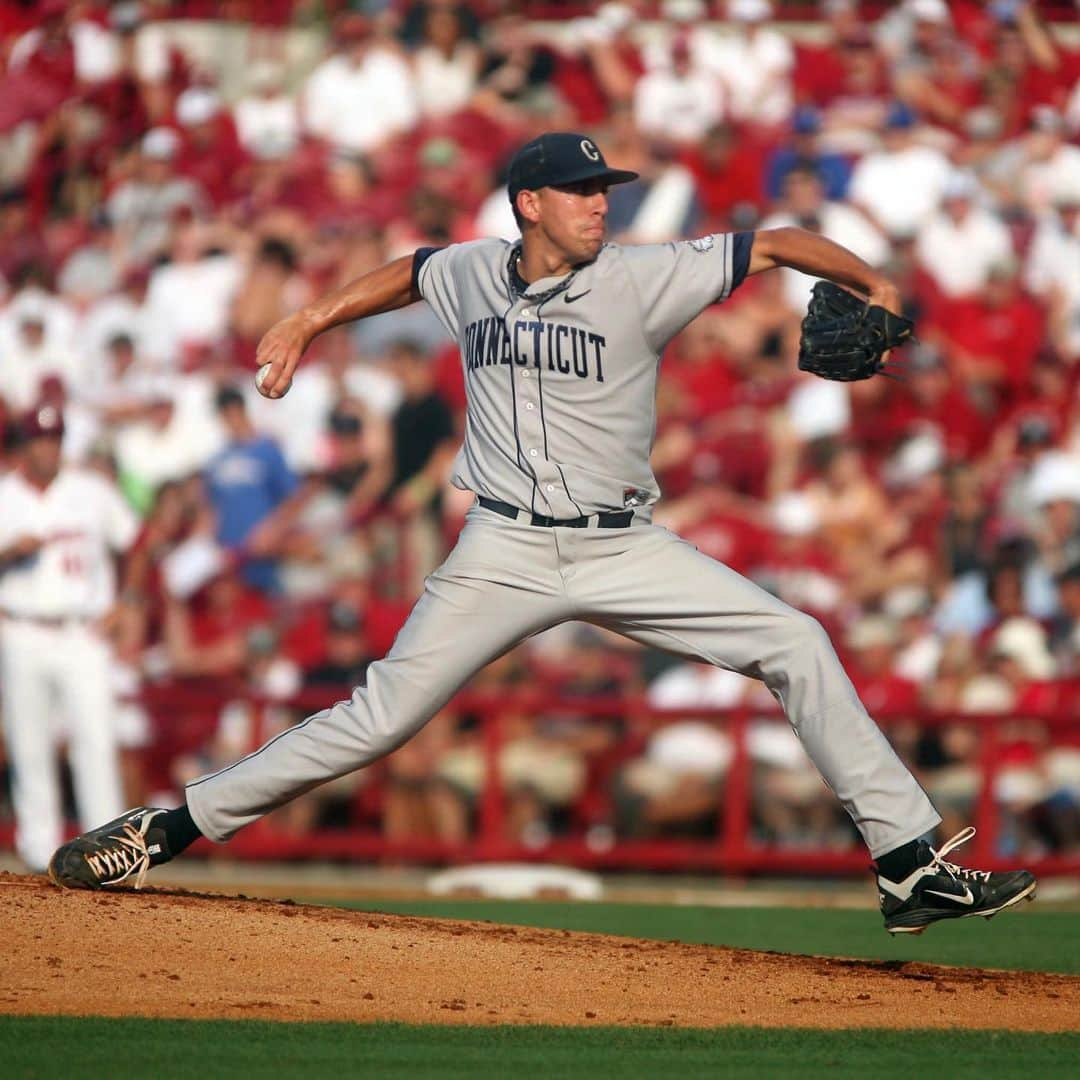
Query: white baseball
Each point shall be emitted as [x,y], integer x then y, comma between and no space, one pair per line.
[260,378]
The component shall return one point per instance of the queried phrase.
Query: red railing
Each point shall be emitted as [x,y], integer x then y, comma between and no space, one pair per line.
[732,850]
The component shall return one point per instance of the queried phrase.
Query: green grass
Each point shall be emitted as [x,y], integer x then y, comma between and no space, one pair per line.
[1028,939]
[43,1047]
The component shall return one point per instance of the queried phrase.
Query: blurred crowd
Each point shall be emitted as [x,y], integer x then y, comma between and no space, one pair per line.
[160,208]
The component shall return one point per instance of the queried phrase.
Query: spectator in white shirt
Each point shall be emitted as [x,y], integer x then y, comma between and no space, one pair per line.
[960,245]
[1055,244]
[189,297]
[677,102]
[123,386]
[142,208]
[1052,164]
[696,686]
[912,30]
[1053,269]
[92,270]
[174,437]
[33,297]
[446,65]
[31,358]
[754,62]
[361,95]
[900,185]
[122,312]
[268,119]
[805,206]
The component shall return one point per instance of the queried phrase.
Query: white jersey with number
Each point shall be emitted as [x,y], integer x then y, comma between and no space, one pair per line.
[81,518]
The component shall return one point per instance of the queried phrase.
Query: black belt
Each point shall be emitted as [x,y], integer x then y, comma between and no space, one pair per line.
[608,519]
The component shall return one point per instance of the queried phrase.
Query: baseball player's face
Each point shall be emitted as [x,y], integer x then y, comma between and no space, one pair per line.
[42,457]
[573,218]
[33,332]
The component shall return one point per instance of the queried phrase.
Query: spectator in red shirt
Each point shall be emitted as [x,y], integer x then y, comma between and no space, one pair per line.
[992,339]
[794,564]
[859,101]
[207,636]
[820,74]
[347,652]
[1025,69]
[699,379]
[21,245]
[211,152]
[1019,652]
[727,168]
[1043,411]
[947,86]
[352,197]
[931,398]
[40,69]
[873,641]
[598,65]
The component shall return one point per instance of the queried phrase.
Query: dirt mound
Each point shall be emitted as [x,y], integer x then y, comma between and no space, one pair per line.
[159,953]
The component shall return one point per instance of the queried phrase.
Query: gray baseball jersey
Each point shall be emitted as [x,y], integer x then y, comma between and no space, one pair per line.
[560,375]
[561,379]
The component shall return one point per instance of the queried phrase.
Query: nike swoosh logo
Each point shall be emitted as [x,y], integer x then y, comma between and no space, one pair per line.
[967,899]
[570,299]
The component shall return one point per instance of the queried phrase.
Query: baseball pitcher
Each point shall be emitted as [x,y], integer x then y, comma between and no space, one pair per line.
[560,337]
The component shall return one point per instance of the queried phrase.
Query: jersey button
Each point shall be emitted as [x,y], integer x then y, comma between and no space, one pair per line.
[524,374]
[530,406]
[526,313]
[532,453]
[551,487]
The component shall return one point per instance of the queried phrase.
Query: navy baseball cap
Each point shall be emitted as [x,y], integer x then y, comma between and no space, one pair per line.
[560,157]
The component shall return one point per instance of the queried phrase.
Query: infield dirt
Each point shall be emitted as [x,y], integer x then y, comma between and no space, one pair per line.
[175,954]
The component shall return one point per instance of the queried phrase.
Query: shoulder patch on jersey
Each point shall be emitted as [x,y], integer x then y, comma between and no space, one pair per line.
[702,244]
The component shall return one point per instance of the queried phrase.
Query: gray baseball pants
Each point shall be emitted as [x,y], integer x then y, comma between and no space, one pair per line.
[506,580]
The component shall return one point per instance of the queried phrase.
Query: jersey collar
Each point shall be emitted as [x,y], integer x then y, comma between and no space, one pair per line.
[519,286]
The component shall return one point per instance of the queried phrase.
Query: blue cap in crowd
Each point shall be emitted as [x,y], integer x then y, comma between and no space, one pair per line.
[900,116]
[806,121]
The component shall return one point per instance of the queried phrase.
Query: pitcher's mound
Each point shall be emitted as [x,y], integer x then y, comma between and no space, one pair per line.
[157,953]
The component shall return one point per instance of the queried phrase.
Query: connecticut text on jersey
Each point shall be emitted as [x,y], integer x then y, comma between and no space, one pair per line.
[530,343]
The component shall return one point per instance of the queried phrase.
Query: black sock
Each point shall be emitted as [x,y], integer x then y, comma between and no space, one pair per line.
[179,828]
[901,861]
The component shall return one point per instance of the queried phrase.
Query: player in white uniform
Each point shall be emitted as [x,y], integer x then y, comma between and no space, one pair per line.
[59,528]
[561,337]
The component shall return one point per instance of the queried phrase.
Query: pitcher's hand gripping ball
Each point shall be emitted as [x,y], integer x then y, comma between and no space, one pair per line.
[845,338]
[260,378]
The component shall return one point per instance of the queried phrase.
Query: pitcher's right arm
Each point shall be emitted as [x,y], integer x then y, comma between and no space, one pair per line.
[389,287]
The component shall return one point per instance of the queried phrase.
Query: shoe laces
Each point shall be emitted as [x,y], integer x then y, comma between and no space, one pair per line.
[125,855]
[962,873]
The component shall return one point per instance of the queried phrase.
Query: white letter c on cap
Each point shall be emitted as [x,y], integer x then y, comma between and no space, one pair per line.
[589,150]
